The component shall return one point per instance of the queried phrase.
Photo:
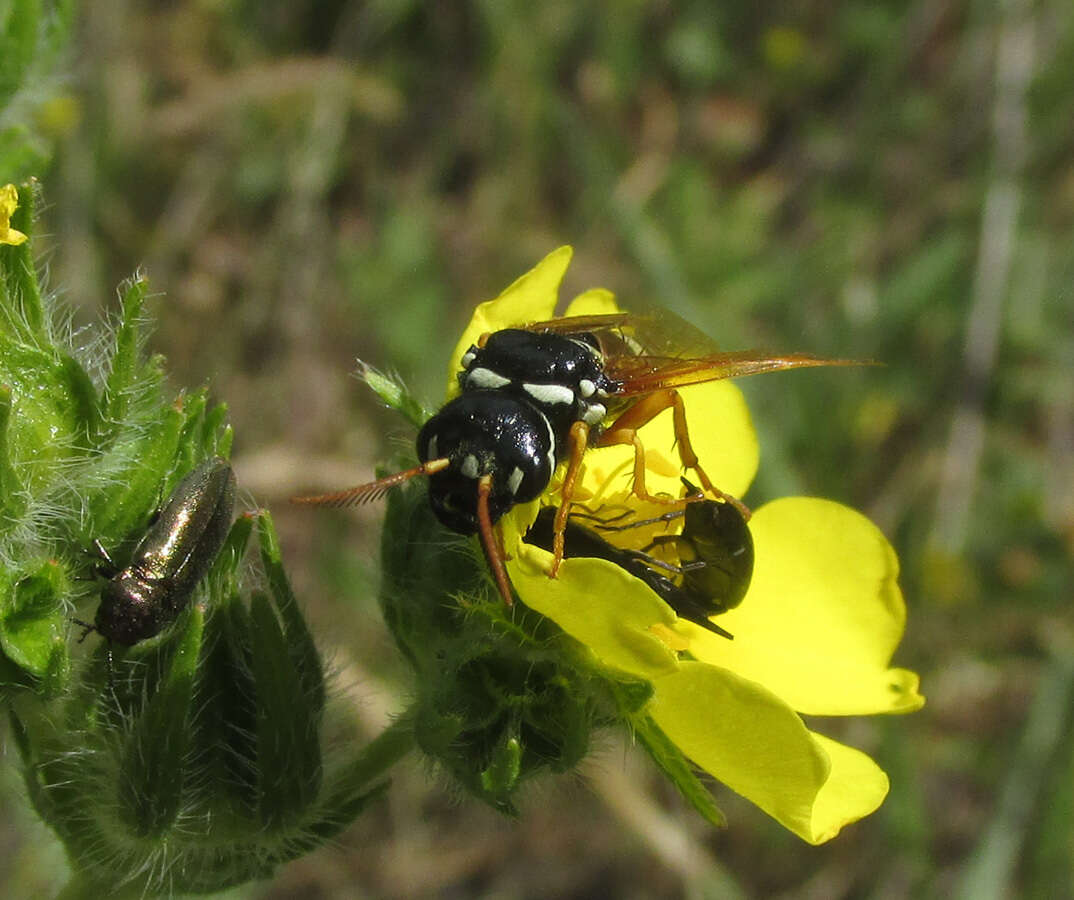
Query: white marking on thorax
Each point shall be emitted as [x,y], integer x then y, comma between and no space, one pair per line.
[486,379]
[594,414]
[469,466]
[551,443]
[550,394]
[467,358]
[514,480]
[586,387]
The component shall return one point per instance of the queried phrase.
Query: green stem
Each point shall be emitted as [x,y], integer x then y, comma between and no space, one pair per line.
[379,755]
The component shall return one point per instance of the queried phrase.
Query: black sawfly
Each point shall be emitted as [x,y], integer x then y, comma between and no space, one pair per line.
[539,395]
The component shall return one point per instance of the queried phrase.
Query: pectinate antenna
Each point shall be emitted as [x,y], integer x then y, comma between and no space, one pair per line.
[374,490]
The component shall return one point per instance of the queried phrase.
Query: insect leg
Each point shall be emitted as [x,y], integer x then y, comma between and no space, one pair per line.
[86,629]
[493,551]
[689,457]
[623,431]
[578,439]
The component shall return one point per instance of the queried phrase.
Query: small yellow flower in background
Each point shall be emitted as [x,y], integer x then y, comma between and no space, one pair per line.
[814,634]
[9,202]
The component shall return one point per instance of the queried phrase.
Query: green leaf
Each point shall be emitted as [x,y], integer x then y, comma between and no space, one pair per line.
[31,617]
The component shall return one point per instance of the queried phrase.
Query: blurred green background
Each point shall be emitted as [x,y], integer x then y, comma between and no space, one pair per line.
[307,181]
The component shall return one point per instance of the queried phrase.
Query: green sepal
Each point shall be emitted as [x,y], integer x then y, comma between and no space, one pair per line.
[630,696]
[300,645]
[226,672]
[12,502]
[58,671]
[152,763]
[35,787]
[85,408]
[670,760]
[395,394]
[216,433]
[232,718]
[225,568]
[31,616]
[136,462]
[501,776]
[192,407]
[288,743]
[123,375]
[502,695]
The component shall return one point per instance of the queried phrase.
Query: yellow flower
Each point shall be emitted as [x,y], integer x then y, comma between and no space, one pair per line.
[9,202]
[814,634]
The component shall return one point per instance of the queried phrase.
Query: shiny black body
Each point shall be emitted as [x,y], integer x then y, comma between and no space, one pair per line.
[716,535]
[528,359]
[486,432]
[521,393]
[715,551]
[172,557]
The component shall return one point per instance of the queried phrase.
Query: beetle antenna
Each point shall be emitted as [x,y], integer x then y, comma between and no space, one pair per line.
[488,538]
[374,490]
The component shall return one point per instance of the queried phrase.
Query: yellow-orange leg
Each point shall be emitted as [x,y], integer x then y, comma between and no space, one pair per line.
[577,441]
[493,550]
[624,431]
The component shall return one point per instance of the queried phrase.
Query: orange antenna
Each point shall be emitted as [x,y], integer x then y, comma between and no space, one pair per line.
[488,538]
[374,490]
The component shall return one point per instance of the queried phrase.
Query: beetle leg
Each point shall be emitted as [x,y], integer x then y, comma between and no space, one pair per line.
[493,550]
[86,629]
[577,439]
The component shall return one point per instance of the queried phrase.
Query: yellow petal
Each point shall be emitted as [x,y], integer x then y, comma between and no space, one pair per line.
[721,432]
[531,298]
[756,745]
[594,302]
[856,786]
[9,202]
[599,604]
[823,614]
